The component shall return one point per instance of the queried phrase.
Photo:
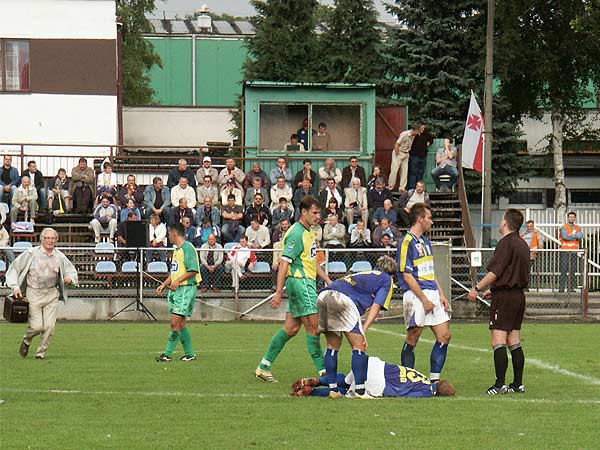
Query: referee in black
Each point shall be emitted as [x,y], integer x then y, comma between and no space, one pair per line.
[507,277]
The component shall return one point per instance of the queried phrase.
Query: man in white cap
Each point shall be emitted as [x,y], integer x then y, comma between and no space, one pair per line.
[207,169]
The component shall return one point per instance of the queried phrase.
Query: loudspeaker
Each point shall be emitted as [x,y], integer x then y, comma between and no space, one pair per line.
[136,233]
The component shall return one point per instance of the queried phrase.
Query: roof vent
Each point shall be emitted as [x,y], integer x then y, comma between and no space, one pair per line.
[204,21]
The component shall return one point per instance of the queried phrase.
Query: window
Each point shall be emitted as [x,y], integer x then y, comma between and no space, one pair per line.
[14,65]
[526,197]
[585,197]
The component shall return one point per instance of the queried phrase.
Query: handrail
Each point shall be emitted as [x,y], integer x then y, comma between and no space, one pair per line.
[464,204]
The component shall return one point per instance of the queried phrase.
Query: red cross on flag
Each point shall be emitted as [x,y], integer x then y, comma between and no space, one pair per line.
[472,144]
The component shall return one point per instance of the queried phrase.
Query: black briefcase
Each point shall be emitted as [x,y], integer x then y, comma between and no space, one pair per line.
[15,309]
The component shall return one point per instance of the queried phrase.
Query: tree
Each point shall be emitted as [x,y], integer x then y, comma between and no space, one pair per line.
[350,43]
[433,60]
[138,55]
[546,64]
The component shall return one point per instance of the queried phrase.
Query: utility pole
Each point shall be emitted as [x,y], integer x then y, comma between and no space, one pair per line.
[488,135]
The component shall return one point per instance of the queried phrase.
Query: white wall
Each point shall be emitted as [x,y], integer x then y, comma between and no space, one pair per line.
[58,19]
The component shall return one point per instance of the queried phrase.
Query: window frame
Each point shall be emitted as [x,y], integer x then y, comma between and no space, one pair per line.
[3,77]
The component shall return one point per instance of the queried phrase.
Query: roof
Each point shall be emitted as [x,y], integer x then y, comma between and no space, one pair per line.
[219,27]
[258,83]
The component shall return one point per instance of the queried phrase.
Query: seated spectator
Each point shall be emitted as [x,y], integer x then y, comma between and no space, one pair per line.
[256,188]
[330,191]
[181,211]
[282,212]
[106,183]
[356,202]
[280,230]
[386,242]
[294,145]
[105,218]
[60,187]
[371,182]
[206,169]
[157,238]
[208,210]
[306,172]
[182,170]
[9,180]
[318,233]
[360,236]
[205,229]
[231,188]
[300,193]
[131,190]
[83,186]
[211,264]
[334,233]
[332,208]
[322,140]
[231,172]
[279,190]
[409,198]
[5,237]
[258,211]
[351,171]
[329,171]
[157,200]
[208,189]
[303,134]
[386,211]
[122,231]
[190,230]
[258,235]
[386,228]
[130,207]
[240,258]
[281,170]
[37,181]
[378,195]
[24,201]
[445,160]
[183,190]
[232,215]
[255,172]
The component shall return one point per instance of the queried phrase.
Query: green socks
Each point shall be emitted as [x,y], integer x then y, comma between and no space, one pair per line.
[277,343]
[172,343]
[186,341]
[313,343]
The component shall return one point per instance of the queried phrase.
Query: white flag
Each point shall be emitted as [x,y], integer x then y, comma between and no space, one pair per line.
[472,144]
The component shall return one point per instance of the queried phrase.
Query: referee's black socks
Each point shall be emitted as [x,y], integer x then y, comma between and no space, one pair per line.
[500,364]
[518,362]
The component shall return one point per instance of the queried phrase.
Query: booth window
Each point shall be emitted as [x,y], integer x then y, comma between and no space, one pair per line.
[14,73]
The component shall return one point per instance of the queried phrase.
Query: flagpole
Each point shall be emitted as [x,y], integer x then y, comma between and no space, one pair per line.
[486,206]
[482,215]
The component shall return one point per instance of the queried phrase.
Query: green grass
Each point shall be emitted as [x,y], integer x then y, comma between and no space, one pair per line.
[119,398]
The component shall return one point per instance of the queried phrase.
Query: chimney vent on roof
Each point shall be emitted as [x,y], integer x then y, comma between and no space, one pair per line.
[204,21]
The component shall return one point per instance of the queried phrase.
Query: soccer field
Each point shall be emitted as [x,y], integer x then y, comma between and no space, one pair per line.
[101,388]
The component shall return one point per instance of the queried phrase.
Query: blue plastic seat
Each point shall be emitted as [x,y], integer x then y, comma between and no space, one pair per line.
[2,266]
[230,245]
[361,266]
[129,267]
[261,267]
[337,267]
[21,246]
[158,267]
[107,248]
[106,267]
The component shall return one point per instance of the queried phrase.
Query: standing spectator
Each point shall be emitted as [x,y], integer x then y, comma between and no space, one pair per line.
[280,230]
[282,212]
[232,215]
[306,172]
[281,170]
[183,190]
[208,210]
[334,233]
[329,171]
[157,238]
[206,169]
[410,198]
[130,207]
[24,201]
[400,159]
[131,190]
[385,227]
[372,181]
[205,229]
[279,190]
[211,264]
[231,172]
[305,190]
[570,241]
[418,155]
[330,191]
[534,241]
[256,188]
[333,207]
[322,140]
[207,189]
[360,236]
[9,180]
[182,170]
[157,200]
[445,160]
[83,186]
[254,173]
[294,145]
[258,211]
[243,256]
[258,235]
[105,217]
[386,211]
[60,187]
[303,135]
[231,188]
[377,196]
[181,211]
[37,180]
[189,229]
[356,202]
[42,274]
[353,170]
[106,183]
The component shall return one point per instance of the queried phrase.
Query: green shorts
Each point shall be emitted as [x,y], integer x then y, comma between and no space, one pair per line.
[182,301]
[302,296]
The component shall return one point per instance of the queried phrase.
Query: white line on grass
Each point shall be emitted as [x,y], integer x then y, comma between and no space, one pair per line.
[519,399]
[533,361]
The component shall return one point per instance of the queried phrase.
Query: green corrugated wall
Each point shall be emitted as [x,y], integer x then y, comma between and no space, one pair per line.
[173,83]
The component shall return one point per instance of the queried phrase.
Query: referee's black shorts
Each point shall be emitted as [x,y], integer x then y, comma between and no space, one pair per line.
[507,309]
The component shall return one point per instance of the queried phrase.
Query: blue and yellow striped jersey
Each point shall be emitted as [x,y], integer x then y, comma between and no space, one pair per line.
[415,256]
[365,289]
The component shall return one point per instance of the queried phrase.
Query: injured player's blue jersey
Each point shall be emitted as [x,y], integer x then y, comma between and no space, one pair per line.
[403,381]
[365,288]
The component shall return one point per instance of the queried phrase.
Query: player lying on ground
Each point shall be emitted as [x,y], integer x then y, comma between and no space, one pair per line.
[383,380]
[341,305]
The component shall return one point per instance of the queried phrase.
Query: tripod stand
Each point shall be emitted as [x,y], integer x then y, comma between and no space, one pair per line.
[138,302]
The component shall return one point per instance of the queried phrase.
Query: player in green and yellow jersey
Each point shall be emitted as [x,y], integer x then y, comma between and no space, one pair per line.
[298,270]
[183,286]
